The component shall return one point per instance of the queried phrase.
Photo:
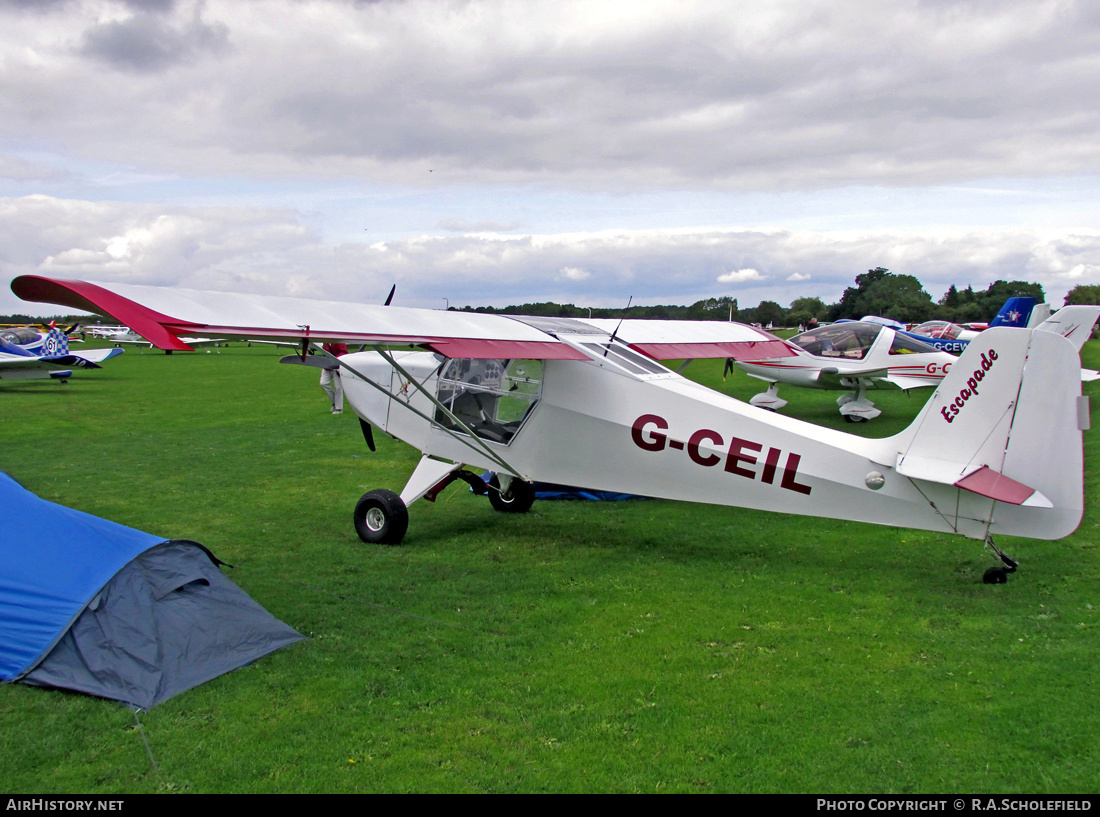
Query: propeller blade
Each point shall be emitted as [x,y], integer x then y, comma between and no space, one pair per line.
[389,298]
[368,434]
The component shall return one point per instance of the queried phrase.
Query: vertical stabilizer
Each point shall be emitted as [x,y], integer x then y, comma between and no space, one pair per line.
[1074,323]
[1016,311]
[1004,430]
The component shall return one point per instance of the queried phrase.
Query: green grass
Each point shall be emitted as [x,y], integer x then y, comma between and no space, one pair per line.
[641,646]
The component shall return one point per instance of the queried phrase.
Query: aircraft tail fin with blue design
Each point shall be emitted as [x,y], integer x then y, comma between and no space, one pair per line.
[56,344]
[1015,312]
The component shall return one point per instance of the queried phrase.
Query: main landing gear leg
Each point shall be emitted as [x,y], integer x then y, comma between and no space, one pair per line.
[511,495]
[855,407]
[769,399]
[382,517]
[999,575]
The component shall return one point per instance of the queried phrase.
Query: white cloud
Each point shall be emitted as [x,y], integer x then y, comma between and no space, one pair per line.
[260,250]
[740,276]
[628,96]
[636,145]
[575,274]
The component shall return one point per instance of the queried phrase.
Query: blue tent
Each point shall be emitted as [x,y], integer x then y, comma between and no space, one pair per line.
[97,607]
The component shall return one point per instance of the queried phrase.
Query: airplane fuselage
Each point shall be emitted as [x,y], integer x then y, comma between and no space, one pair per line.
[594,425]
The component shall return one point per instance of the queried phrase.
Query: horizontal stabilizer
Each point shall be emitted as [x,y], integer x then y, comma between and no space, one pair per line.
[987,482]
[984,480]
[1074,323]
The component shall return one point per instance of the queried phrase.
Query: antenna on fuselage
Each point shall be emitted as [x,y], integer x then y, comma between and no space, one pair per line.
[616,332]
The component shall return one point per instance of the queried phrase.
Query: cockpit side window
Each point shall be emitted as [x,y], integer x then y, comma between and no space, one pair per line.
[491,397]
[905,345]
[939,329]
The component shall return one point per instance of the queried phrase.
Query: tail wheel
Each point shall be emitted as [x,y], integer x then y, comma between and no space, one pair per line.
[519,497]
[381,517]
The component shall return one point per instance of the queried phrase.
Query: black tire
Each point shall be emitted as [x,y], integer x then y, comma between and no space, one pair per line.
[853,419]
[381,518]
[518,499]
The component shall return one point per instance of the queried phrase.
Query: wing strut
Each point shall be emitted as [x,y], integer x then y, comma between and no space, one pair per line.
[481,447]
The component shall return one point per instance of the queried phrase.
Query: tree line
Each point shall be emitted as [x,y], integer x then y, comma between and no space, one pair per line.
[877,292]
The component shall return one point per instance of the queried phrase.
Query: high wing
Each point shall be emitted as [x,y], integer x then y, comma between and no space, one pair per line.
[164,316]
[683,340]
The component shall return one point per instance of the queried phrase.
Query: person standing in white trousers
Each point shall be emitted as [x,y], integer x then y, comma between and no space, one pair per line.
[330,378]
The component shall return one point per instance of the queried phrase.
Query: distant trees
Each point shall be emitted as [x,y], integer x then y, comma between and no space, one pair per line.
[876,292]
[1084,294]
[881,292]
[968,305]
[804,310]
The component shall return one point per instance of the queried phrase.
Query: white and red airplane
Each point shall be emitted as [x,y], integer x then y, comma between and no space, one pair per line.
[853,356]
[997,449]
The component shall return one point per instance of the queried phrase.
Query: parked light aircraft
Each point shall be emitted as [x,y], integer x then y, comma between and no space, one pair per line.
[27,354]
[875,353]
[1019,311]
[1071,322]
[130,336]
[997,449]
[852,356]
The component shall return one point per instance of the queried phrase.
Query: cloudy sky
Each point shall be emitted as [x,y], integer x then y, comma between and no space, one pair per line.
[496,152]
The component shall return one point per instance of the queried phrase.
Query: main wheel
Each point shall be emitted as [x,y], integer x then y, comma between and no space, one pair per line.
[851,418]
[519,497]
[381,517]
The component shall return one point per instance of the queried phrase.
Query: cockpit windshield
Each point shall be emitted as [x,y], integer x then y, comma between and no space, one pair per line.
[942,330]
[849,340]
[19,335]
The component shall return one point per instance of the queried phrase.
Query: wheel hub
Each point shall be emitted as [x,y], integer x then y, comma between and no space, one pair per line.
[375,519]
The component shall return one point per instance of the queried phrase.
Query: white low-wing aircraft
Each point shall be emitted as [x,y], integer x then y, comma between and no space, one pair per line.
[853,356]
[27,354]
[997,449]
[130,336]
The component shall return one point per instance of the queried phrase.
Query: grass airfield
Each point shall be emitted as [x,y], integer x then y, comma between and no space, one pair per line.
[643,646]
